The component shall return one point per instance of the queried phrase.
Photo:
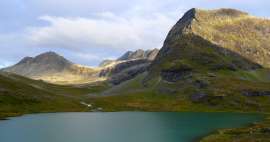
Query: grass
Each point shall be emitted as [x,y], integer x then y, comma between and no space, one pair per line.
[224,93]
[19,95]
[28,96]
[236,31]
[257,132]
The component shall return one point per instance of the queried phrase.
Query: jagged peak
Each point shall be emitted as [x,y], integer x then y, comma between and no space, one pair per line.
[139,54]
[198,16]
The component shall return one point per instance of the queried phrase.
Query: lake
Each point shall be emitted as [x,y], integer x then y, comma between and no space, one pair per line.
[119,126]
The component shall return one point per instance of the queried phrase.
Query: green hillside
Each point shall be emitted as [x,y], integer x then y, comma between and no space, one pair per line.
[19,95]
[194,72]
[215,60]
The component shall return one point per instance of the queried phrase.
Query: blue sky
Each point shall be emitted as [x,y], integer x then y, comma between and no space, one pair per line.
[88,31]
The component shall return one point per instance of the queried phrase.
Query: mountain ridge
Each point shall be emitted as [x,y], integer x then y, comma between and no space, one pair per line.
[54,68]
[232,29]
[199,71]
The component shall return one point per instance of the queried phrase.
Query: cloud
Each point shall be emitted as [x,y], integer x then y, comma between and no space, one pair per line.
[87,31]
[104,30]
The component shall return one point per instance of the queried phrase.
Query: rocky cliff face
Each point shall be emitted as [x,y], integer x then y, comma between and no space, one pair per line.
[127,66]
[125,70]
[139,54]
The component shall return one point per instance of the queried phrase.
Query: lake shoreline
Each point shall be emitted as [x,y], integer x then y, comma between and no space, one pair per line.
[199,139]
[7,116]
[249,128]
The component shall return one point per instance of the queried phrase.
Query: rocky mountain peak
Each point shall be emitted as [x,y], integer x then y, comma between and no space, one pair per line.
[232,32]
[51,57]
[139,54]
[196,17]
[45,63]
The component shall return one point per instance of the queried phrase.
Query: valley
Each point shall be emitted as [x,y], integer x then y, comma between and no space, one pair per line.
[211,61]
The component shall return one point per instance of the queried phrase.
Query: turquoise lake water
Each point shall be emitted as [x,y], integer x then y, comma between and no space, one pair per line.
[119,126]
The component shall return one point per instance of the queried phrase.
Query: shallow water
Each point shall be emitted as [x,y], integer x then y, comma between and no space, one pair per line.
[119,126]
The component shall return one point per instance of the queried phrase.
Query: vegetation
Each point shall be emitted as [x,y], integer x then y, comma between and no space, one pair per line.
[211,61]
[19,95]
[257,132]
[237,31]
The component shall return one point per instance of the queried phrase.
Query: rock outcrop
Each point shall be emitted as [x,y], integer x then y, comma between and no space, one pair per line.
[127,66]
[139,54]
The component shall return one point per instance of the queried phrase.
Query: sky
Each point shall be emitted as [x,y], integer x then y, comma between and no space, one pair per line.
[89,31]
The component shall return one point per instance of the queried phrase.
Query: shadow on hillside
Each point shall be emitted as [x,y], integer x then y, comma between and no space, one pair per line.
[182,53]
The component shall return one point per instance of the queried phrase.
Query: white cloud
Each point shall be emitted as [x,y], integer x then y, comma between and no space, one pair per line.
[105,30]
[84,32]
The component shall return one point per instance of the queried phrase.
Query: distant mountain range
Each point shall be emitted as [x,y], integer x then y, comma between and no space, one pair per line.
[54,68]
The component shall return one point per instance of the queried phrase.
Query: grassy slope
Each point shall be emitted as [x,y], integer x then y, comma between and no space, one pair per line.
[224,95]
[237,31]
[258,132]
[19,95]
[38,96]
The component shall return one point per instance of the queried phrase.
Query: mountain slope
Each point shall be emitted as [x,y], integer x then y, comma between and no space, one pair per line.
[216,39]
[20,95]
[54,68]
[46,63]
[195,72]
[213,40]
[208,53]
[128,66]
[139,54]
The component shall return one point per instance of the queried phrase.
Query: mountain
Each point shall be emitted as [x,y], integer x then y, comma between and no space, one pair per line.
[210,60]
[132,55]
[206,48]
[106,63]
[217,39]
[213,40]
[53,68]
[128,66]
[46,63]
[139,54]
